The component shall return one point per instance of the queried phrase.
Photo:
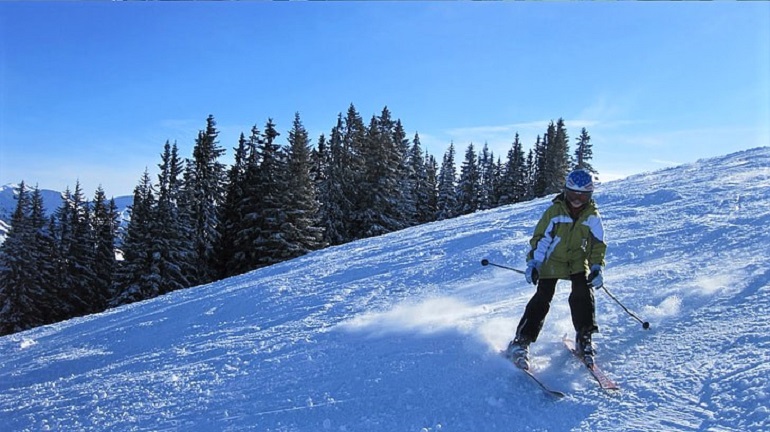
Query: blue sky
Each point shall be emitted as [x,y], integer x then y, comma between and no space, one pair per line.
[91,91]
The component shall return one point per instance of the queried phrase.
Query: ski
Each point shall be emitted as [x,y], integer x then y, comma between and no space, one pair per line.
[549,391]
[604,381]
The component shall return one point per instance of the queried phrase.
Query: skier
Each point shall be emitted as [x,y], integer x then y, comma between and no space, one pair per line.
[568,243]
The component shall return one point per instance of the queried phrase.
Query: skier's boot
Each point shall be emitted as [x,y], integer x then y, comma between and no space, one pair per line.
[518,352]
[585,347]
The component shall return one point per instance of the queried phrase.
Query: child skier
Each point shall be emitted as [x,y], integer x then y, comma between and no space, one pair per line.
[568,243]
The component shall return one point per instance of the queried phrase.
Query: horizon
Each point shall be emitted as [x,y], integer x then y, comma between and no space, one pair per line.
[94,97]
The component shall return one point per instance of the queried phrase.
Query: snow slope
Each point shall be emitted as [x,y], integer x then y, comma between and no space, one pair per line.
[401,332]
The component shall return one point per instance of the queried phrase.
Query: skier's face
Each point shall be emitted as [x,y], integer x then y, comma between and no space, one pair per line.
[577,199]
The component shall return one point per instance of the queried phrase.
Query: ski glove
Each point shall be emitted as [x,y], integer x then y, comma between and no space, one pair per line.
[595,278]
[532,274]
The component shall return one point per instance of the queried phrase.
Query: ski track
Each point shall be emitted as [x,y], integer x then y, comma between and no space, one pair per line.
[402,332]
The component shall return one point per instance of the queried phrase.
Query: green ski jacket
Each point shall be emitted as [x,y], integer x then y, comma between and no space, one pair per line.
[567,246]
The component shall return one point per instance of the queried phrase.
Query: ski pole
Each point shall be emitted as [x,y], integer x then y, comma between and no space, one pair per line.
[485,262]
[645,324]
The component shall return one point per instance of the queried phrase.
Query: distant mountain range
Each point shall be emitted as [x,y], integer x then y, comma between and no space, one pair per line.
[51,201]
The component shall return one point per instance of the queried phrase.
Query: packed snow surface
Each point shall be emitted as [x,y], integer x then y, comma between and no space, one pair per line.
[402,332]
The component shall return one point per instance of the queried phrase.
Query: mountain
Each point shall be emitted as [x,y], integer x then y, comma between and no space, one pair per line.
[51,201]
[402,332]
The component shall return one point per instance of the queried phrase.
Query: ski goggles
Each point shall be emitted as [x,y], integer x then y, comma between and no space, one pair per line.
[577,198]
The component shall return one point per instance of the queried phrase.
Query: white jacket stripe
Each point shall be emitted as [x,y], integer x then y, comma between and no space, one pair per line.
[547,244]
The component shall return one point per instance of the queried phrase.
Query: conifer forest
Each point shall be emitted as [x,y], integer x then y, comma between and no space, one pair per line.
[200,220]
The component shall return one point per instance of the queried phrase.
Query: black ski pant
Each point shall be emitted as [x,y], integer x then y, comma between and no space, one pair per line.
[581,304]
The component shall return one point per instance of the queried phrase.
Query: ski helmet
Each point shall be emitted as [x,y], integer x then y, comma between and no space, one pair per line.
[579,180]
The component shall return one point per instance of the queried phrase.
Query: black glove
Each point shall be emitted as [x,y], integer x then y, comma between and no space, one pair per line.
[532,274]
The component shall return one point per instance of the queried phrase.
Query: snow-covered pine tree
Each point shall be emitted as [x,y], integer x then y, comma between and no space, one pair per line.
[514,180]
[488,180]
[172,232]
[105,227]
[336,186]
[20,293]
[246,210]
[231,212]
[205,186]
[302,229]
[406,178]
[422,190]
[428,210]
[376,210]
[61,226]
[138,276]
[520,172]
[319,157]
[558,157]
[496,175]
[44,257]
[446,202]
[540,172]
[269,243]
[469,184]
[531,173]
[79,277]
[584,152]
[353,170]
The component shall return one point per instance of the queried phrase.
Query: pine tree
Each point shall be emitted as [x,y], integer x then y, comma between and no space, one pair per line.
[185,205]
[172,234]
[138,275]
[44,258]
[422,185]
[205,184]
[353,172]
[584,152]
[242,209]
[62,228]
[469,184]
[79,278]
[319,157]
[231,212]
[557,157]
[488,181]
[531,174]
[302,229]
[335,187]
[446,203]
[269,244]
[429,210]
[515,180]
[496,180]
[19,292]
[406,178]
[105,226]
[377,210]
[520,172]
[540,173]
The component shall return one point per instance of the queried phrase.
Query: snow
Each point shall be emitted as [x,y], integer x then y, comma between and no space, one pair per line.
[401,332]
[4,228]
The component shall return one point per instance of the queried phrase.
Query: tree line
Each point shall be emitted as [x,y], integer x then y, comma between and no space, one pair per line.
[201,221]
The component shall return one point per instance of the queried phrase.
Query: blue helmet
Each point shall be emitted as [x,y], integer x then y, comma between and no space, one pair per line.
[579,180]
